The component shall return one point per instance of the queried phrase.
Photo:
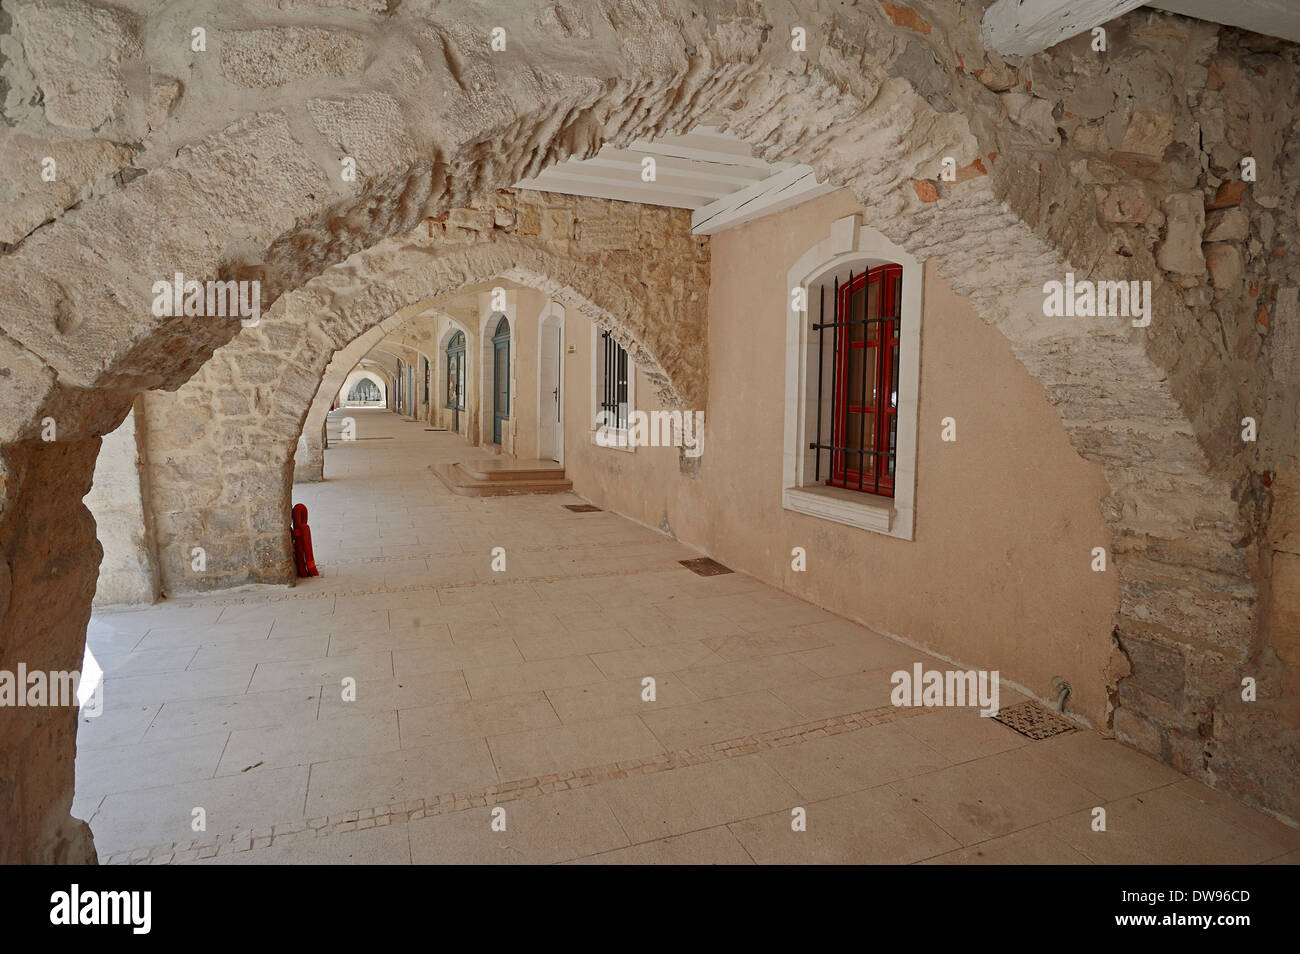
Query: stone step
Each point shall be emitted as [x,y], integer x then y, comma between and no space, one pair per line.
[511,470]
[461,481]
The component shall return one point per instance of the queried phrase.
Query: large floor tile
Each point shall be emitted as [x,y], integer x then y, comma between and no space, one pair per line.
[387,845]
[626,696]
[711,846]
[876,826]
[674,802]
[849,761]
[538,752]
[720,720]
[158,815]
[978,800]
[509,680]
[476,718]
[543,829]
[344,785]
[306,742]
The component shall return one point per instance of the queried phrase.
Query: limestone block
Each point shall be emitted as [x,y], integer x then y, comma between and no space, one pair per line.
[1149,132]
[1227,225]
[361,6]
[1033,114]
[165,96]
[80,57]
[29,200]
[475,220]
[1224,262]
[262,59]
[370,129]
[1127,202]
[1180,251]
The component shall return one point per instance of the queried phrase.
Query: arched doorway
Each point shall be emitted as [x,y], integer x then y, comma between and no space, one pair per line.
[550,385]
[500,378]
[455,357]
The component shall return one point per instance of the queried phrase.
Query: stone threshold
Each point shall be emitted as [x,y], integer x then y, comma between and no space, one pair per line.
[450,802]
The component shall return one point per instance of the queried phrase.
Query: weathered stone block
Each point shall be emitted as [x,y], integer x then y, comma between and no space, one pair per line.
[1180,251]
[261,59]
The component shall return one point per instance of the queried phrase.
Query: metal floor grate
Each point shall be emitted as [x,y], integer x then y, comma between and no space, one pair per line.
[703,566]
[1033,721]
[582,508]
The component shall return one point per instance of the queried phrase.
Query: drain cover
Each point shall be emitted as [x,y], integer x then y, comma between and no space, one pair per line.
[703,566]
[1033,721]
[582,508]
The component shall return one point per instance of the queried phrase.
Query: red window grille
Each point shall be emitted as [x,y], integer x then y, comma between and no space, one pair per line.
[864,380]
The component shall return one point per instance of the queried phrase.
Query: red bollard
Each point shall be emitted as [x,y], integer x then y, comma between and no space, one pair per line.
[303,558]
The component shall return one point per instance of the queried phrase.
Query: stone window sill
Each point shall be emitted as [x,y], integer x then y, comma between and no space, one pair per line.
[619,440]
[842,506]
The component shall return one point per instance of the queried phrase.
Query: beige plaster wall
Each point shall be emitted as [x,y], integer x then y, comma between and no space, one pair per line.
[998,575]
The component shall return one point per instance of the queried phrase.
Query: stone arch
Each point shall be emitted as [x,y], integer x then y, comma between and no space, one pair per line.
[435,121]
[295,349]
[359,374]
[441,382]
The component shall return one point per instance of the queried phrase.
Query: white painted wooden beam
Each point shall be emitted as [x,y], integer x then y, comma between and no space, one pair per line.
[683,183]
[1025,27]
[635,191]
[736,175]
[785,189]
[1279,18]
[708,149]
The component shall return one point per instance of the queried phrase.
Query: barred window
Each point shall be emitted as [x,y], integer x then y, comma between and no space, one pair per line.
[613,383]
[857,380]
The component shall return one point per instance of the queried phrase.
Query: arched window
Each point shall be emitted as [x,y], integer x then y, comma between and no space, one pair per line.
[456,372]
[500,378]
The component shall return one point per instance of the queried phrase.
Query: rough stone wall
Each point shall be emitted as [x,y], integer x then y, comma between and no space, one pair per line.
[119,501]
[221,448]
[226,163]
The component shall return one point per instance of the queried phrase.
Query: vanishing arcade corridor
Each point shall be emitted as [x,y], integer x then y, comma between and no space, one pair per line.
[522,689]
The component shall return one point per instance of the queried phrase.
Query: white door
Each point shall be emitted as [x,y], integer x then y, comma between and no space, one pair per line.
[559,395]
[550,431]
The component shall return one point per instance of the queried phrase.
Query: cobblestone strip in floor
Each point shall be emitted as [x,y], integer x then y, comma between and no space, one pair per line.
[400,813]
[269,596]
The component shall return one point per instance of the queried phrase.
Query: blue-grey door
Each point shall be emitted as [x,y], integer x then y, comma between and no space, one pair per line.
[500,378]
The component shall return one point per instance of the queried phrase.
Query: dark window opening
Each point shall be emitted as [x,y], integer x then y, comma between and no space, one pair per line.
[614,383]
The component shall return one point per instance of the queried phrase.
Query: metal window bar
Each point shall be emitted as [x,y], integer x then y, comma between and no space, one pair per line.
[614,384]
[839,443]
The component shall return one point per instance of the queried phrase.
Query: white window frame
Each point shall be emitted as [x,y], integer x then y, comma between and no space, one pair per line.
[620,436]
[849,244]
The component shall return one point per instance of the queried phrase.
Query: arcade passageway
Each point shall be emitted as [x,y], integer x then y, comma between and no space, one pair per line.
[523,689]
[780,287]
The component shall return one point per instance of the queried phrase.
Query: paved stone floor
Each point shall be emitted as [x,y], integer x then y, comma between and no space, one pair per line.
[522,690]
